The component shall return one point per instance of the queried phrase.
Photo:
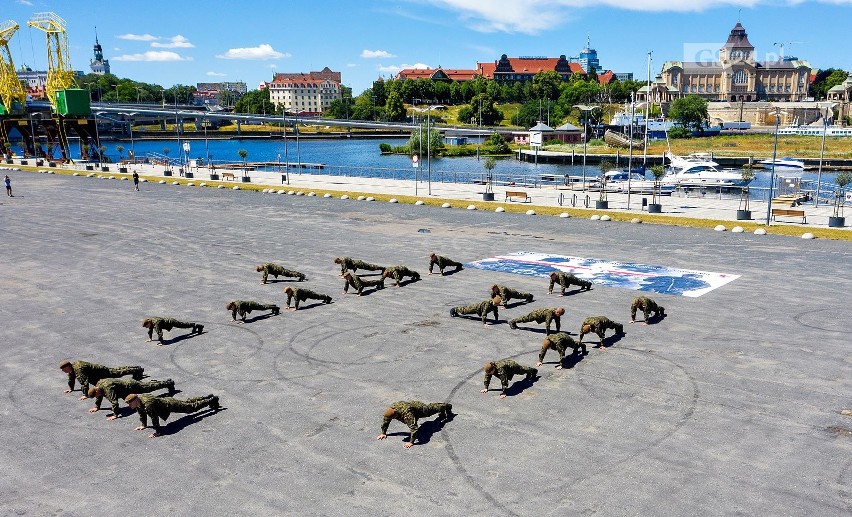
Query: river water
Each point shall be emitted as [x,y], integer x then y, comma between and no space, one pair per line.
[362,157]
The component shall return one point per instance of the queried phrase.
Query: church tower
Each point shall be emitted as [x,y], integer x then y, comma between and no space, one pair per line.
[99,65]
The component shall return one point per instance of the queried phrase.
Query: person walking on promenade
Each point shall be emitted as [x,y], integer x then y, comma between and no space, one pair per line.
[136,180]
[8,186]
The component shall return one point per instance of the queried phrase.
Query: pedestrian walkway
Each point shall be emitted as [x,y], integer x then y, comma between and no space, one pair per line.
[693,204]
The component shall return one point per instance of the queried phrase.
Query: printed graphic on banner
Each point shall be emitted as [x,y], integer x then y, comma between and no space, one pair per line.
[627,275]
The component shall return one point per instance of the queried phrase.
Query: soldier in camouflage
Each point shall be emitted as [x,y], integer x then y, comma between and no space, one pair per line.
[243,307]
[565,281]
[158,325]
[561,342]
[400,272]
[482,309]
[162,407]
[599,325]
[507,293]
[443,263]
[540,316]
[277,270]
[351,264]
[116,389]
[648,306]
[302,295]
[90,373]
[359,283]
[505,370]
[408,412]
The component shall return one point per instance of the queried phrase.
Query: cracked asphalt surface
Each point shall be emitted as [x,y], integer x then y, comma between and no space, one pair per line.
[732,404]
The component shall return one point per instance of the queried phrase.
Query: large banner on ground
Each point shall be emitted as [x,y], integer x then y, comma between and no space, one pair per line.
[627,275]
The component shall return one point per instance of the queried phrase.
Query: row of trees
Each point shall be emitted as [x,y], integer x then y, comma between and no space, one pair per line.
[109,88]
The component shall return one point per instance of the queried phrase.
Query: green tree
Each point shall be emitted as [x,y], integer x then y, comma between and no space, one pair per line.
[120,149]
[489,163]
[379,92]
[395,109]
[256,102]
[495,144]
[481,105]
[243,154]
[547,85]
[824,80]
[431,140]
[690,112]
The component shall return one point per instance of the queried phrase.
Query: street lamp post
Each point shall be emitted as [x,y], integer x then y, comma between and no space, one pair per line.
[772,172]
[587,110]
[821,153]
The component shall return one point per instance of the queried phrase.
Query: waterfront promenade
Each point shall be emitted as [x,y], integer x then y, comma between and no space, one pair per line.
[706,206]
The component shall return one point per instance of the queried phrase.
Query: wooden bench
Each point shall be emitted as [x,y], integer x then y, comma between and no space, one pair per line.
[228,176]
[787,212]
[518,193]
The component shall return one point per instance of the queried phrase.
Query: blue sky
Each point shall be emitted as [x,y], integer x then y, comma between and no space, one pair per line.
[186,42]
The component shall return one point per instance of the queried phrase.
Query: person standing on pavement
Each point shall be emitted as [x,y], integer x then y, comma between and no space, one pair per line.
[9,186]
[136,180]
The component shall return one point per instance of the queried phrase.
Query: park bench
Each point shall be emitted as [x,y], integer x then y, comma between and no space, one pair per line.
[519,194]
[788,212]
[228,176]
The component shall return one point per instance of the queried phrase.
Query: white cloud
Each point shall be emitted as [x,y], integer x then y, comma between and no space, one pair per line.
[138,37]
[351,65]
[259,53]
[216,74]
[174,42]
[25,2]
[371,54]
[396,68]
[533,17]
[153,55]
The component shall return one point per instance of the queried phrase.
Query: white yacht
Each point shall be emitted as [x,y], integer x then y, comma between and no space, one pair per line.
[786,164]
[691,160]
[698,175]
[623,181]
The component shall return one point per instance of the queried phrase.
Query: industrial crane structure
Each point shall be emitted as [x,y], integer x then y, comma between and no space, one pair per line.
[13,95]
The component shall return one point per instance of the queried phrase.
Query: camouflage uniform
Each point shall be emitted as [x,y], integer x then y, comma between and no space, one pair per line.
[400,272]
[116,389]
[90,373]
[482,309]
[276,270]
[408,412]
[538,316]
[506,369]
[302,295]
[566,280]
[507,293]
[359,283]
[162,407]
[243,307]
[443,263]
[561,342]
[351,264]
[158,325]
[599,325]
[647,305]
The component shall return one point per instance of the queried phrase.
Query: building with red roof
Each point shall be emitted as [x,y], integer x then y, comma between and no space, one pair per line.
[305,93]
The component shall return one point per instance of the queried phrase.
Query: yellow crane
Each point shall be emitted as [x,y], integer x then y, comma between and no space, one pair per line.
[11,90]
[60,76]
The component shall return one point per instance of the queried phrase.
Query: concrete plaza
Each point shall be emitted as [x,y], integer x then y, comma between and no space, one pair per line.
[736,403]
